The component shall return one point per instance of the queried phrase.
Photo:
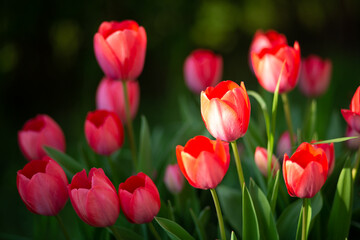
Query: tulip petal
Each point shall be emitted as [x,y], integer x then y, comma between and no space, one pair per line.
[311,180]
[146,206]
[352,119]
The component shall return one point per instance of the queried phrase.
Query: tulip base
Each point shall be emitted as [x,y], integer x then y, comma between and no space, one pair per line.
[219,214]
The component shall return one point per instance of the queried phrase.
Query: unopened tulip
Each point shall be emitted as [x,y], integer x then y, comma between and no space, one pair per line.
[203,162]
[120,49]
[352,116]
[39,132]
[139,199]
[315,76]
[104,132]
[353,144]
[42,186]
[268,64]
[173,178]
[202,69]
[261,161]
[110,96]
[306,171]
[225,110]
[330,154]
[284,145]
[269,39]
[94,198]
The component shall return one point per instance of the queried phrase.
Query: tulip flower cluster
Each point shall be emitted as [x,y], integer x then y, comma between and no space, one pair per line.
[302,162]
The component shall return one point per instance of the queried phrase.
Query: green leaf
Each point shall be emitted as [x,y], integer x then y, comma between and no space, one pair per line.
[199,227]
[67,162]
[145,148]
[250,222]
[263,106]
[125,233]
[342,205]
[264,214]
[230,199]
[335,140]
[287,222]
[274,192]
[233,236]
[174,230]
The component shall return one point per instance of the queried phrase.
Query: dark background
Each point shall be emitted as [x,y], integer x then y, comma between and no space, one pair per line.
[47,63]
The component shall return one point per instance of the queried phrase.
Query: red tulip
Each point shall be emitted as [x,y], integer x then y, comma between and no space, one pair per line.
[268,63]
[225,110]
[352,116]
[104,132]
[120,49]
[110,96]
[202,69]
[42,186]
[173,178]
[203,162]
[353,144]
[315,76]
[306,171]
[330,154]
[94,198]
[261,161]
[284,144]
[261,40]
[139,199]
[39,132]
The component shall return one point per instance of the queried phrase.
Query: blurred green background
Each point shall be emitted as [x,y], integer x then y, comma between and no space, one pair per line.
[47,64]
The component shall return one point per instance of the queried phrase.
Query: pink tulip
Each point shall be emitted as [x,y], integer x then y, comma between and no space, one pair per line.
[306,171]
[268,64]
[120,49]
[330,154]
[104,132]
[39,132]
[353,144]
[261,161]
[203,162]
[352,116]
[315,76]
[202,69]
[110,96]
[269,39]
[284,144]
[139,199]
[225,110]
[173,178]
[42,186]
[94,198]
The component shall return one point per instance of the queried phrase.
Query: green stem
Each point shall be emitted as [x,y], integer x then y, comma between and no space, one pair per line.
[113,170]
[129,124]
[312,118]
[115,232]
[63,229]
[153,231]
[356,166]
[219,214]
[288,117]
[304,219]
[238,163]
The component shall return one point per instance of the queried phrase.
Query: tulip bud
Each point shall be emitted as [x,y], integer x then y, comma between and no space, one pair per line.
[352,116]
[353,144]
[306,171]
[94,198]
[120,49]
[268,64]
[261,161]
[104,132]
[39,132]
[139,199]
[284,144]
[42,186]
[173,178]
[315,76]
[203,162]
[330,154]
[261,40]
[110,96]
[202,69]
[225,110]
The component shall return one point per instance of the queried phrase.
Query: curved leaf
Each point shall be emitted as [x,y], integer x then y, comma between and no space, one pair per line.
[174,230]
[144,164]
[250,222]
[67,162]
